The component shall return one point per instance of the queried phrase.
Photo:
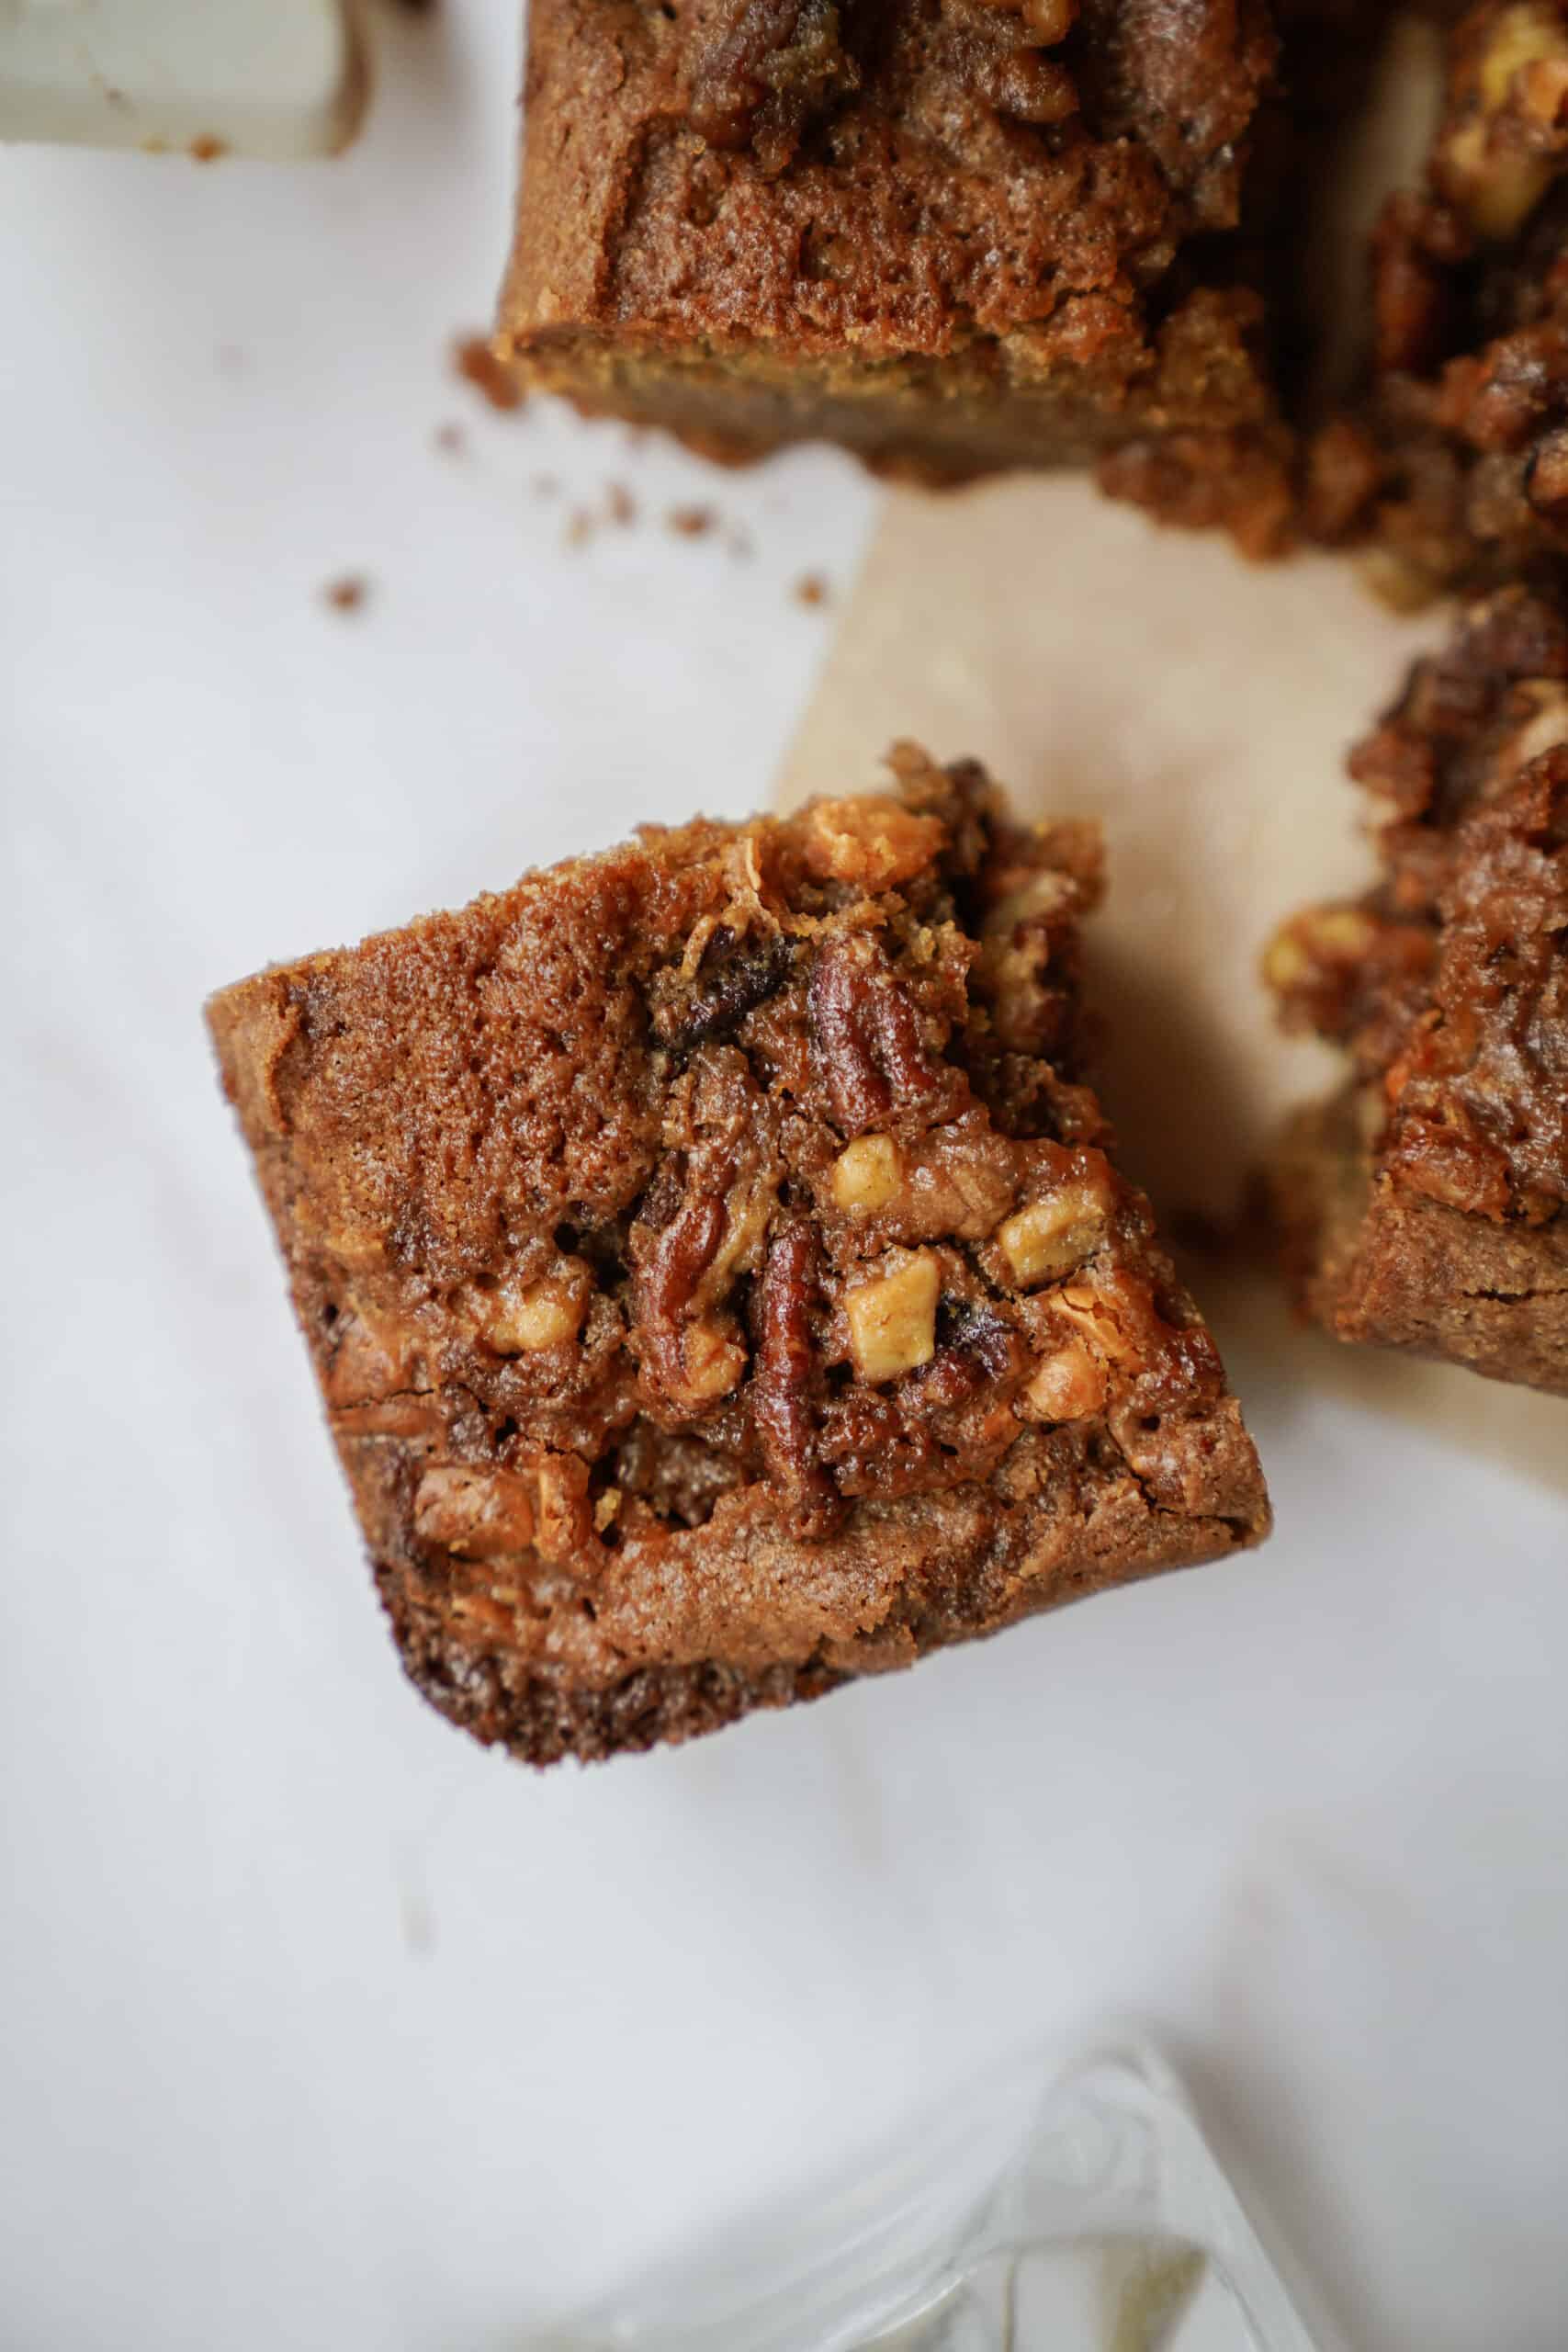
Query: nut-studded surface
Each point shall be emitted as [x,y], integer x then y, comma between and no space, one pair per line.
[714,1273]
[1457,463]
[1429,1208]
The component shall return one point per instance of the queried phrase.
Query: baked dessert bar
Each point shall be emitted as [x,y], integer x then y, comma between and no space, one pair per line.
[954,235]
[1427,1206]
[1456,463]
[714,1269]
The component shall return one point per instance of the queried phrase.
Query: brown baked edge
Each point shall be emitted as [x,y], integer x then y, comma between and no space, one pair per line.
[1382,1266]
[541,1719]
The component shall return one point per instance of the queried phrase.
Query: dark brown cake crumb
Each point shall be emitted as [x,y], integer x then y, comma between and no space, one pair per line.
[1426,1207]
[477,362]
[347,594]
[208,149]
[691,522]
[811,589]
[716,1273]
[620,505]
[451,440]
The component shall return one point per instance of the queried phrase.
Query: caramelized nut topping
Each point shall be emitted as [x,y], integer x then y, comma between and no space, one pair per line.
[866,1175]
[876,843]
[1068,1386]
[892,1317]
[541,1315]
[1093,1312]
[1054,1236]
[713,1363]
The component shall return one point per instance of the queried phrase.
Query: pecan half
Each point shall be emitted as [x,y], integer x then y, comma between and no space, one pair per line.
[866,1031]
[784,1393]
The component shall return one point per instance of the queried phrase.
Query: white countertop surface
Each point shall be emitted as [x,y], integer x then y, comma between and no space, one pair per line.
[321,2027]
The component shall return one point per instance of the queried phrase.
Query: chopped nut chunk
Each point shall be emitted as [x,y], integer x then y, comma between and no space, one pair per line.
[541,1316]
[714,1364]
[1068,1386]
[876,843]
[892,1318]
[866,1175]
[1054,1236]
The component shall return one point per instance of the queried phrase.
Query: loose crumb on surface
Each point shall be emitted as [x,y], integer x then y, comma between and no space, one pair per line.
[207,149]
[811,589]
[347,594]
[579,527]
[620,505]
[738,543]
[451,438]
[478,365]
[691,522]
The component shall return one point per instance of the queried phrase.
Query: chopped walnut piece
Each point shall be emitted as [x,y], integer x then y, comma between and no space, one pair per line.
[1054,1236]
[876,843]
[540,1315]
[713,1362]
[1068,1386]
[477,1513]
[1101,1314]
[866,1175]
[892,1317]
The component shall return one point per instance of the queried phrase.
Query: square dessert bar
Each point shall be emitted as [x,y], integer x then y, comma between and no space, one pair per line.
[1456,463]
[1427,1206]
[715,1273]
[954,235]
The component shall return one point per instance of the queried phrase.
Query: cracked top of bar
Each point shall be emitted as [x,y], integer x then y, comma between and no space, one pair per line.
[714,1271]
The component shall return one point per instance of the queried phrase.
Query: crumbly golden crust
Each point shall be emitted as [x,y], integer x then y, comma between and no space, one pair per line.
[957,235]
[1429,1207]
[714,1273]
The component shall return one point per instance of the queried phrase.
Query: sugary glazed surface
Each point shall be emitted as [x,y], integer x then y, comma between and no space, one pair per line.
[714,1273]
[1430,1208]
[957,234]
